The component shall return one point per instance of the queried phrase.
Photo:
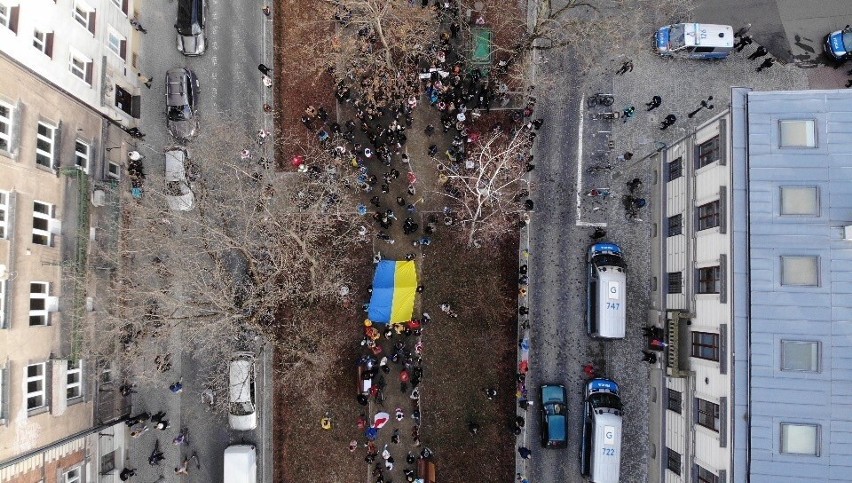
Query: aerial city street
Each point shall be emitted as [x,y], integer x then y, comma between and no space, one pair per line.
[408,241]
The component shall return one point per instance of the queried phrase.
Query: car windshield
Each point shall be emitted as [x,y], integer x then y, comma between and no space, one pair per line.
[608,261]
[179,113]
[605,400]
[676,36]
[188,22]
[847,41]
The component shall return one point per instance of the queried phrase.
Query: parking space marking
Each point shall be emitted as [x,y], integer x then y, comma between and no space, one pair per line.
[579,193]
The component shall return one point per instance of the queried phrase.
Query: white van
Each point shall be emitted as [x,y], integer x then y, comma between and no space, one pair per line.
[600,450]
[242,410]
[240,464]
[606,307]
[695,40]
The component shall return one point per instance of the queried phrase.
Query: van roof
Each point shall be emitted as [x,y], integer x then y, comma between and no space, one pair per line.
[240,464]
[708,35]
[612,303]
[606,466]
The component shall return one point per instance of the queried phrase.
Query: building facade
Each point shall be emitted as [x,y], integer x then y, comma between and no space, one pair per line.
[751,266]
[87,48]
[50,427]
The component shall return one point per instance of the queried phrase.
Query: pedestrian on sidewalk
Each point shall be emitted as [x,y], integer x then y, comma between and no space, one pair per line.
[267,81]
[138,26]
[147,81]
[760,52]
[183,469]
[265,70]
[626,67]
[182,437]
[157,456]
[177,387]
[598,234]
[655,103]
[524,452]
[649,357]
[767,63]
[667,122]
[126,473]
[267,10]
[743,43]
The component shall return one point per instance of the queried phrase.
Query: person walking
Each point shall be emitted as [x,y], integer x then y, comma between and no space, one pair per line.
[626,67]
[742,31]
[138,26]
[266,11]
[668,121]
[743,43]
[655,103]
[177,387]
[767,63]
[156,456]
[760,52]
[598,234]
[264,69]
[649,357]
[147,81]
[126,473]
[183,469]
[524,452]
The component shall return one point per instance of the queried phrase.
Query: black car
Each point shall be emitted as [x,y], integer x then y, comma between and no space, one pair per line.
[182,102]
[554,416]
[190,25]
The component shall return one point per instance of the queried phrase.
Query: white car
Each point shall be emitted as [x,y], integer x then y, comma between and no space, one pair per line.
[179,193]
[242,409]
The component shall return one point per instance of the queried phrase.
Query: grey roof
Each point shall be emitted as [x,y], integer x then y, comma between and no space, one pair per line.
[767,312]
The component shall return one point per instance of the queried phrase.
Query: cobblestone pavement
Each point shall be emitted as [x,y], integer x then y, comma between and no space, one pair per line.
[560,231]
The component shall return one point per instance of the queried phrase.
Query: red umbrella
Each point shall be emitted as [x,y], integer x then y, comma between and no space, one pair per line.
[298,160]
[380,419]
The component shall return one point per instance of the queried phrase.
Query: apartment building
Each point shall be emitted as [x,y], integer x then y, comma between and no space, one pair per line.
[87,48]
[50,426]
[751,257]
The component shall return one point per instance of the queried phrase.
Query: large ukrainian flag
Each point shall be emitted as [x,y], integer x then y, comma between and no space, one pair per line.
[394,289]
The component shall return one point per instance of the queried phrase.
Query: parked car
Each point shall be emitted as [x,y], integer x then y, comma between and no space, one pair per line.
[181,101]
[191,20]
[554,416]
[179,195]
[242,410]
[838,44]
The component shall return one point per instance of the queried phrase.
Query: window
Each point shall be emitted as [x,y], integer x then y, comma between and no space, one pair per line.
[800,200]
[38,303]
[74,475]
[113,170]
[800,271]
[122,4]
[708,215]
[705,346]
[117,43]
[800,439]
[675,225]
[705,476]
[5,126]
[708,152]
[9,17]
[799,355]
[797,134]
[709,280]
[74,380]
[44,145]
[80,66]
[674,282]
[35,376]
[707,414]
[675,169]
[81,155]
[41,223]
[84,15]
[4,218]
[675,401]
[43,41]
[673,461]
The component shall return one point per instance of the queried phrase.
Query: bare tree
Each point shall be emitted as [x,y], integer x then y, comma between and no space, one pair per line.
[251,261]
[489,187]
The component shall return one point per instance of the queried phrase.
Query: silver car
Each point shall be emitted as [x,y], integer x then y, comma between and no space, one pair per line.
[179,195]
[182,102]
[191,19]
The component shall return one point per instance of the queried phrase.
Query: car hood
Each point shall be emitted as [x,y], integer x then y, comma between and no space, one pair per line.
[191,44]
[837,45]
[183,129]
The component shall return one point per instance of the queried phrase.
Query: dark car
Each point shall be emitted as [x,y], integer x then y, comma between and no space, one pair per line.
[190,25]
[181,101]
[554,417]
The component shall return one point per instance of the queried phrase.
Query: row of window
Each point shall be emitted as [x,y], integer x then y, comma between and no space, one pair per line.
[42,214]
[35,379]
[46,138]
[78,64]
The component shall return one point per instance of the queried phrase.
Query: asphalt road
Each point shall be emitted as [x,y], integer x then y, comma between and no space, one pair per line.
[239,38]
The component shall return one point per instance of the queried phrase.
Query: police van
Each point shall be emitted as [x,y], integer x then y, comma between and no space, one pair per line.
[695,40]
[838,44]
[600,449]
[607,292]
